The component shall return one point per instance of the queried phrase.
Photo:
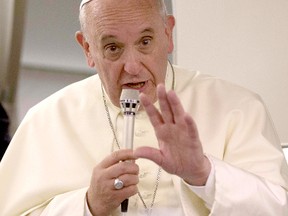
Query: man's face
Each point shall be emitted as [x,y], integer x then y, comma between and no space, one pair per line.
[128,42]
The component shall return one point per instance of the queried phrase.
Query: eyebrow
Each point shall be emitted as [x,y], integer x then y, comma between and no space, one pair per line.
[147,30]
[107,37]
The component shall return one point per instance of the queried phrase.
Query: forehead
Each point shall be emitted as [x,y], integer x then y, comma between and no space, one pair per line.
[105,16]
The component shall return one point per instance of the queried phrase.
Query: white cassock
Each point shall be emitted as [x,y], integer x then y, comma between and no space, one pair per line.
[48,166]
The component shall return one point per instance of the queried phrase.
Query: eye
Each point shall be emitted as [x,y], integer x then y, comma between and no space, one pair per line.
[112,51]
[146,42]
[111,48]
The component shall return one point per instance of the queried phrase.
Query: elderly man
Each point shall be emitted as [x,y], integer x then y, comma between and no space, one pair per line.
[202,146]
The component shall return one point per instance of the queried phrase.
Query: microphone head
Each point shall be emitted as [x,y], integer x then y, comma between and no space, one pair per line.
[129,101]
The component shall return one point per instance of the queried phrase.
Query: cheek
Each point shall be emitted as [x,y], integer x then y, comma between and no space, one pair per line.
[110,76]
[161,67]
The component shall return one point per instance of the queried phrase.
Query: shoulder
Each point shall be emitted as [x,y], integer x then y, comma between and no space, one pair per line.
[197,83]
[75,96]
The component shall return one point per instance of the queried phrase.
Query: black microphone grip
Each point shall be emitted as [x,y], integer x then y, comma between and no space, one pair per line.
[124,205]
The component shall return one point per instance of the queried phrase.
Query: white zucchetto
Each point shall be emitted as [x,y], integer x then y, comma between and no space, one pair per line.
[83,2]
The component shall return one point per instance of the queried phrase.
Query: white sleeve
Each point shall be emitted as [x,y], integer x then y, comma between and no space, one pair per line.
[87,210]
[233,191]
[67,204]
[207,192]
[238,193]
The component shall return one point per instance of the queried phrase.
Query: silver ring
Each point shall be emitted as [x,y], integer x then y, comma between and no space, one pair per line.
[118,184]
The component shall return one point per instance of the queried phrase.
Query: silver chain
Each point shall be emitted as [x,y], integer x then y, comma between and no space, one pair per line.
[148,210]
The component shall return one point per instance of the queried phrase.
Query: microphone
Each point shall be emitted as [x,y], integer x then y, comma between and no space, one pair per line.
[129,102]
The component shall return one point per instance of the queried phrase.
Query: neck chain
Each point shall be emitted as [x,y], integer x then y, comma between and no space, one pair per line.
[148,210]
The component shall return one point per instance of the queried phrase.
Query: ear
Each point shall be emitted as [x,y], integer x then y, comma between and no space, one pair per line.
[170,23]
[86,48]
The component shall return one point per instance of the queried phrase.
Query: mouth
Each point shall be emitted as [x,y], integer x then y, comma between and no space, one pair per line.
[138,85]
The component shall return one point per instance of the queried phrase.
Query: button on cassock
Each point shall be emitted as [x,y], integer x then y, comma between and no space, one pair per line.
[140,132]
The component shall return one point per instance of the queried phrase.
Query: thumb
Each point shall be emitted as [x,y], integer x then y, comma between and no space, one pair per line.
[149,153]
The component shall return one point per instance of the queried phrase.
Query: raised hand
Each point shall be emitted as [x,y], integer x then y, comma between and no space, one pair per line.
[180,150]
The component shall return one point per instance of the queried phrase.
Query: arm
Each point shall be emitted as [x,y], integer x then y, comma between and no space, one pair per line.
[101,198]
[234,173]
[54,174]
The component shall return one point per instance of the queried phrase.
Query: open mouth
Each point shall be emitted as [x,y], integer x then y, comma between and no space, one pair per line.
[138,85]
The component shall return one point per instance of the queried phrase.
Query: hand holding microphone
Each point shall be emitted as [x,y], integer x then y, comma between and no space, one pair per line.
[101,198]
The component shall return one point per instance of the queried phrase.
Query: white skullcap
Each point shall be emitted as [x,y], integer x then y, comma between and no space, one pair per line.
[83,2]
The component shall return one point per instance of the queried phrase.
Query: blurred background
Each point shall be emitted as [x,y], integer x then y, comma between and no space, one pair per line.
[245,42]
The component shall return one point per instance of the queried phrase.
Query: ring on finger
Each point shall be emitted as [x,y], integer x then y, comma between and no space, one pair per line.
[118,184]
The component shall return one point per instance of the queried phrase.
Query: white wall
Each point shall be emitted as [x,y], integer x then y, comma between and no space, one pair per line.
[244,41]
[49,40]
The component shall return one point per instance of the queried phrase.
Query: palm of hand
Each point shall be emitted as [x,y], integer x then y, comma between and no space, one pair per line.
[180,150]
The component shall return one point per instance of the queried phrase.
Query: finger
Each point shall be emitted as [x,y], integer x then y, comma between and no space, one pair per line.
[116,157]
[127,192]
[128,180]
[192,128]
[176,107]
[122,168]
[152,112]
[152,154]
[166,111]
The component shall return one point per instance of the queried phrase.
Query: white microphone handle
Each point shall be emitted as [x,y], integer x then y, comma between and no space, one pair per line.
[128,132]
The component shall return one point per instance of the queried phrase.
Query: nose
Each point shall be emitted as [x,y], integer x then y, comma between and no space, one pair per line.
[132,62]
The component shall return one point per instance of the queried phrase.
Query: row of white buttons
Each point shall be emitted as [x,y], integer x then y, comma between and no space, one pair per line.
[140,132]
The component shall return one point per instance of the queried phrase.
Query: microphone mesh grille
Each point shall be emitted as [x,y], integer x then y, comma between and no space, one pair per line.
[129,94]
